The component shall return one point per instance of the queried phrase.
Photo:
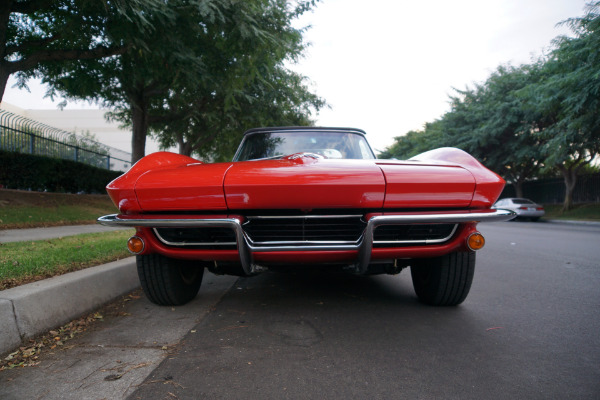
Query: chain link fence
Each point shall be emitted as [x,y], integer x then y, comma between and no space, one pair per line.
[22,135]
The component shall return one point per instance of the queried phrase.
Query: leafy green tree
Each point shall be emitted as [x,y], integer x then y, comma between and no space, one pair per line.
[492,123]
[35,32]
[214,129]
[488,121]
[416,142]
[188,75]
[524,121]
[248,85]
[144,73]
[568,100]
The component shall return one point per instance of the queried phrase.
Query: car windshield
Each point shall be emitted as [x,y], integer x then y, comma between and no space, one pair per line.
[330,144]
[522,201]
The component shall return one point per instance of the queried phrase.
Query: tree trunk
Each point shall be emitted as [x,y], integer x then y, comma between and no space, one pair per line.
[185,148]
[570,179]
[3,81]
[139,121]
[5,11]
[518,185]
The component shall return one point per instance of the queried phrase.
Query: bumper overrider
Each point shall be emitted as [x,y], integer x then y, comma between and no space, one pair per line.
[246,247]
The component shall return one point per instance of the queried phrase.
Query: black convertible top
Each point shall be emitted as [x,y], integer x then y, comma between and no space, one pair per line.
[304,129]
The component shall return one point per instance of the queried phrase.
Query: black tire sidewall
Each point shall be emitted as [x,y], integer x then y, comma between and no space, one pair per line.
[444,281]
[168,281]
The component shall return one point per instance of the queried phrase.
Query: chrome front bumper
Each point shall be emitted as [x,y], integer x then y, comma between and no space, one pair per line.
[363,246]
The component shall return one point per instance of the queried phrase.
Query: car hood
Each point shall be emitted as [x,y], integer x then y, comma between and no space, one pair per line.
[300,182]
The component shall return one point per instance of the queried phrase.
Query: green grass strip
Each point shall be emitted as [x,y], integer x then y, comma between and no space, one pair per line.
[589,212]
[23,262]
[23,217]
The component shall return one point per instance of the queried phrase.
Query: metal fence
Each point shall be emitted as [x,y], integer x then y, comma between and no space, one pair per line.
[552,190]
[22,135]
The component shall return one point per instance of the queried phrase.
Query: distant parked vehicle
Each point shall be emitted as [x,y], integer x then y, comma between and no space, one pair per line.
[524,208]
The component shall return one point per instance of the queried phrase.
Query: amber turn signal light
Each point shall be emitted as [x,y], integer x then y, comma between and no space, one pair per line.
[475,241]
[135,245]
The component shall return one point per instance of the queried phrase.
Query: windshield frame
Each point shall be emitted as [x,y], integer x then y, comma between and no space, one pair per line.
[306,131]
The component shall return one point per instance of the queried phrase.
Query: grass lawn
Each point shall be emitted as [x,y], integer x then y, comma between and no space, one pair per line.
[587,212]
[22,209]
[24,262]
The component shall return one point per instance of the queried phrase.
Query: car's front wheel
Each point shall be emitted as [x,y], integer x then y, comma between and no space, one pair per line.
[167,281]
[444,281]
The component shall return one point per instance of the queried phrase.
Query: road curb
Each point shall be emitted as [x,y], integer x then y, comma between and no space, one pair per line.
[573,222]
[32,309]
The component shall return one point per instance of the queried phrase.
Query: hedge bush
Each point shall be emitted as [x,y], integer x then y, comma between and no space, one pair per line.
[31,172]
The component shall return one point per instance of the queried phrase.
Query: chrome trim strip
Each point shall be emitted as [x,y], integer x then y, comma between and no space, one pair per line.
[325,247]
[305,154]
[426,241]
[364,246]
[181,244]
[115,220]
[249,217]
[302,243]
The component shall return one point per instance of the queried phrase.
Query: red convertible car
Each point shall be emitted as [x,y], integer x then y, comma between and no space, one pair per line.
[295,196]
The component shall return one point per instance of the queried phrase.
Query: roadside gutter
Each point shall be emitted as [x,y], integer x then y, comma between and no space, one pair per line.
[32,309]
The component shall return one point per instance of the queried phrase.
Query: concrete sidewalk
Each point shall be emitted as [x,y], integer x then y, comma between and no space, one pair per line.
[33,309]
[20,235]
[114,357]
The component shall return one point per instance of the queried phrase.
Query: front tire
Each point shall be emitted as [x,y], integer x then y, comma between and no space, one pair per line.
[444,281]
[167,281]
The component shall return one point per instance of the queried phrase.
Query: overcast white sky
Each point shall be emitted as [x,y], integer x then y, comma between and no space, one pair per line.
[388,66]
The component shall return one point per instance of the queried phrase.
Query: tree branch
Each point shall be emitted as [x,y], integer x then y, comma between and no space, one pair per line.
[32,43]
[65,55]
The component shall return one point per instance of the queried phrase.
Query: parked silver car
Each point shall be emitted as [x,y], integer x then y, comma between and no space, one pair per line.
[523,207]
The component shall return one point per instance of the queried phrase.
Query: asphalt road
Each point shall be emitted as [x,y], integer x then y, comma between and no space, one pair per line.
[530,329]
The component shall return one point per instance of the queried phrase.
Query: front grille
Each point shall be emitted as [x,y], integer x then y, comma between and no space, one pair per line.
[205,237]
[305,229]
[413,234]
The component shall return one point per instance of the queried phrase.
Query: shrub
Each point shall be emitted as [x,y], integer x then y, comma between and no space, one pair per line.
[31,172]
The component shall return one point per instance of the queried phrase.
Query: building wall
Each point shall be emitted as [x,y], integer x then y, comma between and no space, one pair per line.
[81,121]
